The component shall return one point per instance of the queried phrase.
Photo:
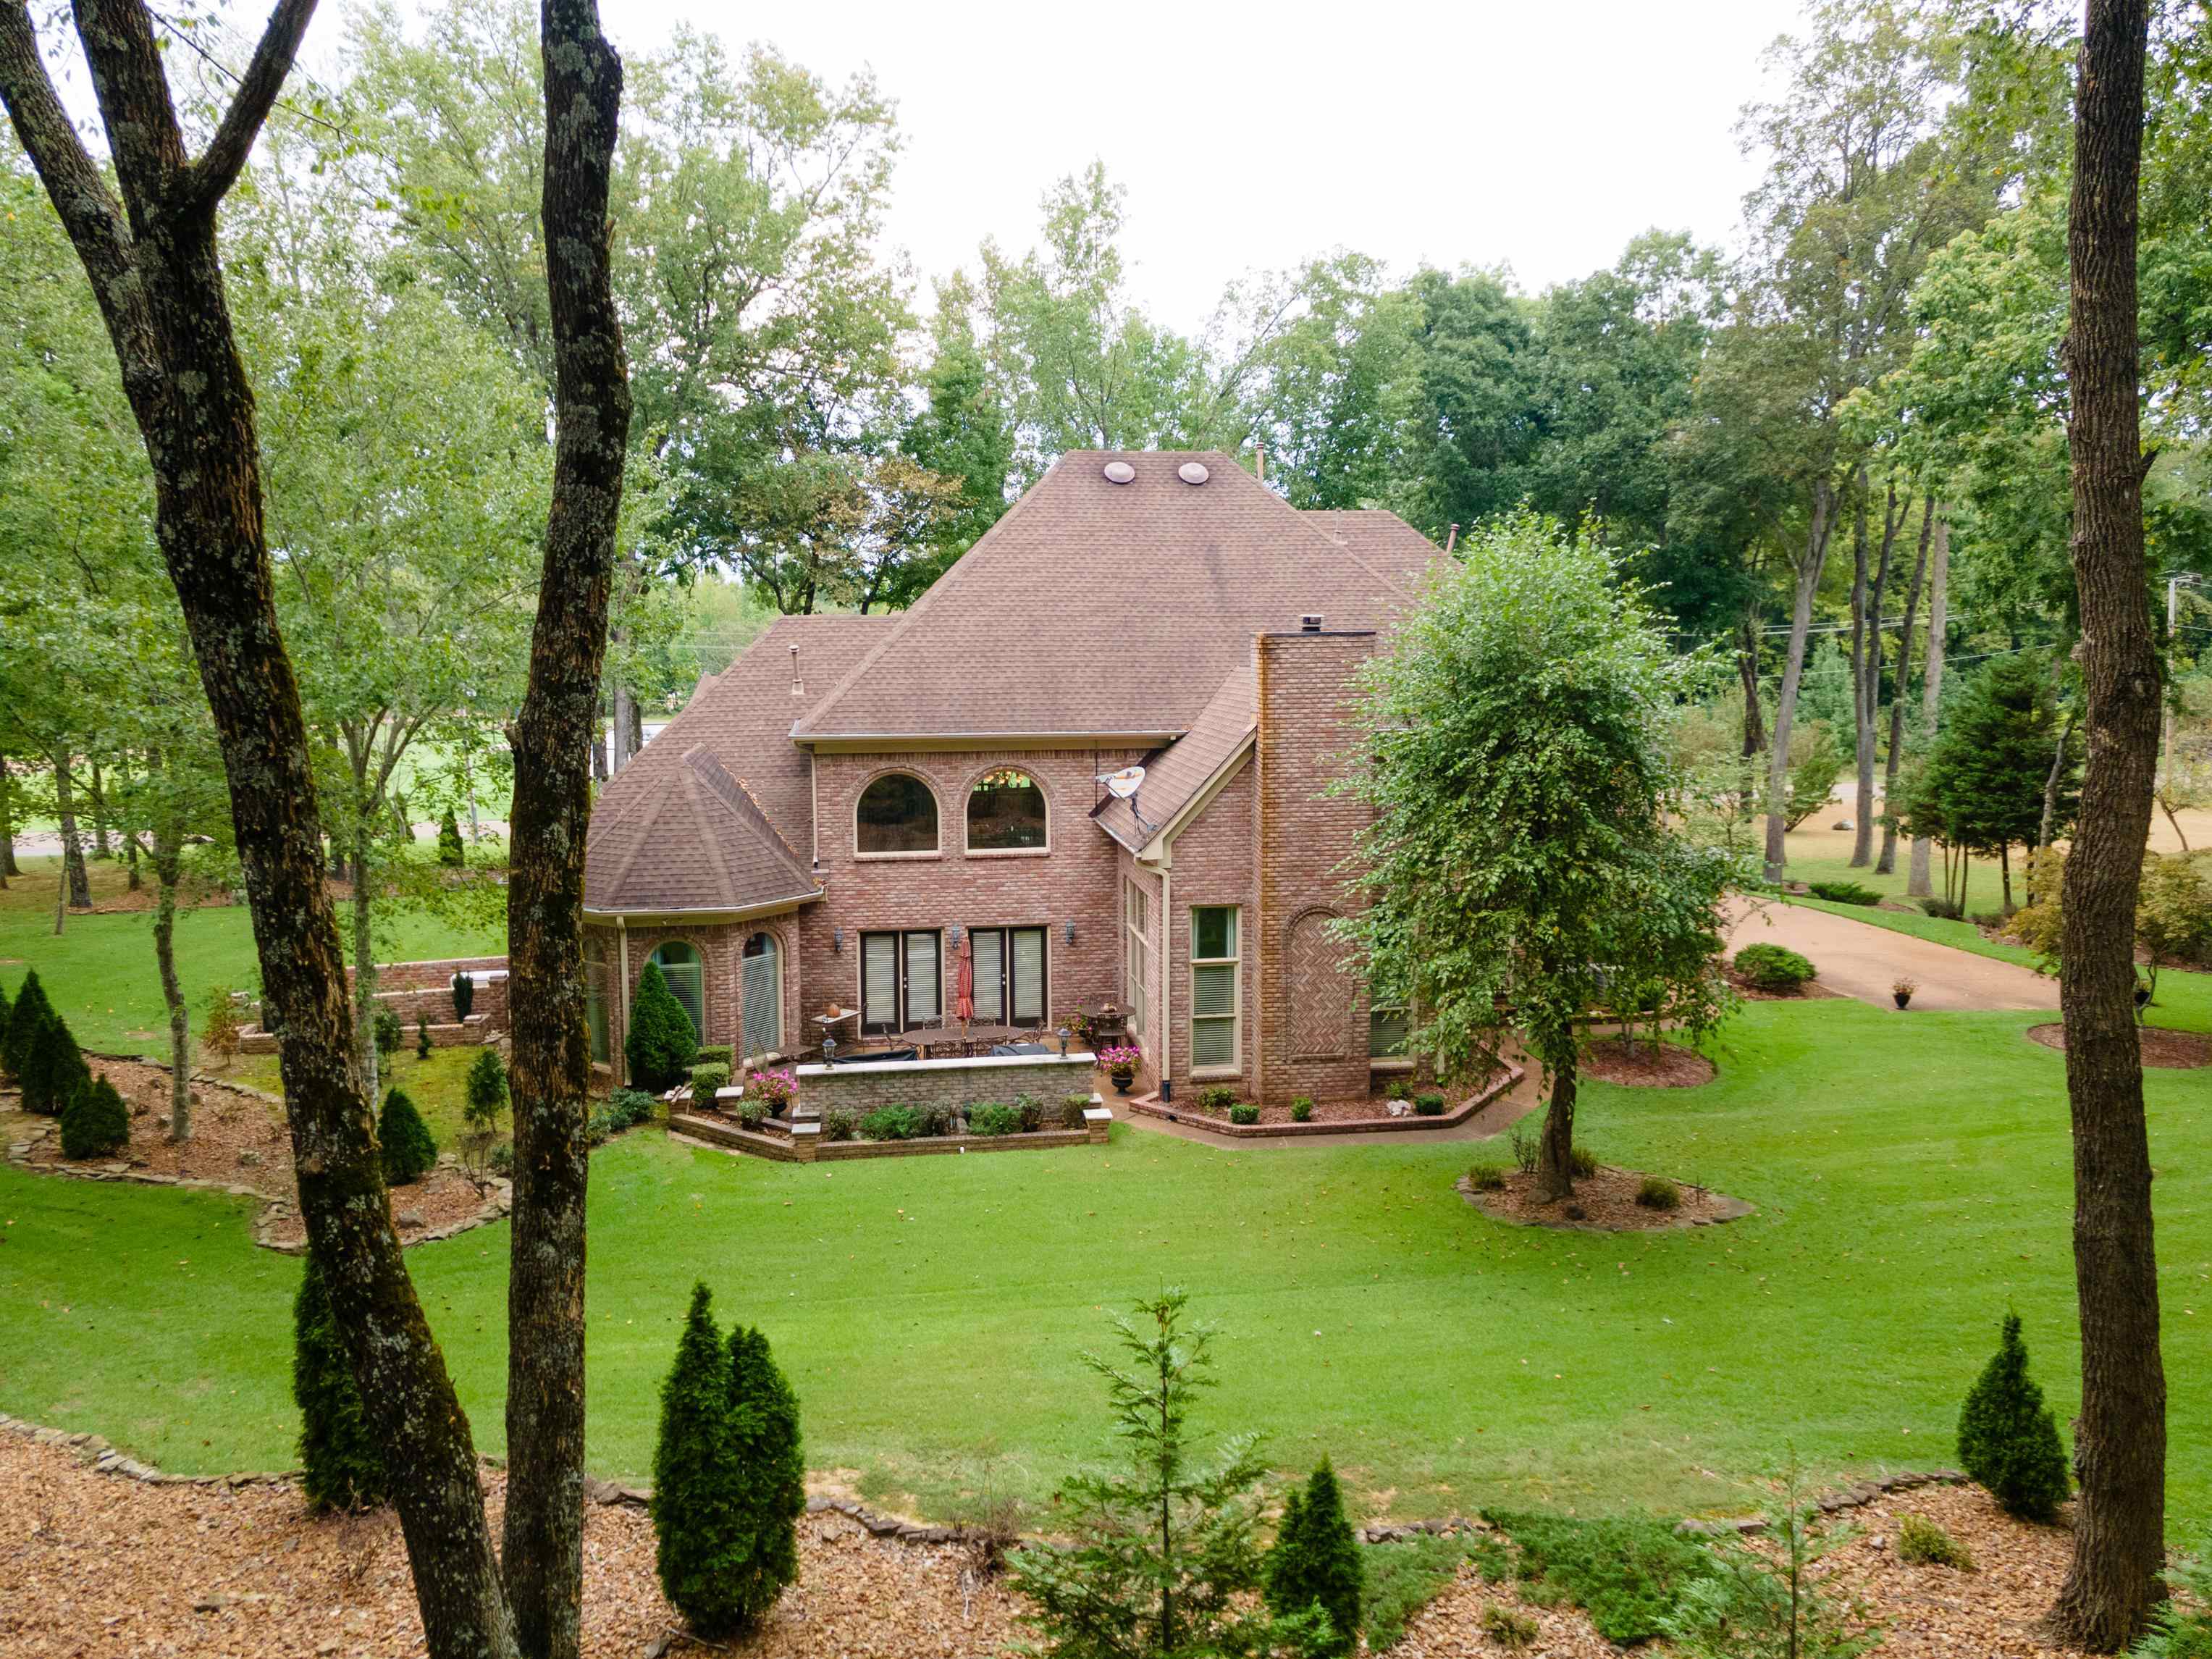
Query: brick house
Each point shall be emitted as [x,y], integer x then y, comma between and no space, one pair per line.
[859,804]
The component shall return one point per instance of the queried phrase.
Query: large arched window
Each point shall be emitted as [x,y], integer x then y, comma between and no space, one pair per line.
[686,975]
[1005,814]
[896,814]
[763,996]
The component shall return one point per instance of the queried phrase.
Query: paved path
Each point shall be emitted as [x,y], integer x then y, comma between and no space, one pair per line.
[1861,960]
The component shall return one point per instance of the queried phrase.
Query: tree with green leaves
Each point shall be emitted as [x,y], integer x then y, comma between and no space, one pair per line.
[1517,762]
[662,1042]
[1314,1560]
[699,1523]
[2008,1437]
[487,1090]
[2004,772]
[340,1467]
[409,1153]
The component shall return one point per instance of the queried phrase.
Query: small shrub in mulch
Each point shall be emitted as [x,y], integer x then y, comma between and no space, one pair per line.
[1609,1200]
[1315,1561]
[990,1121]
[1302,1109]
[1429,1103]
[2009,1438]
[1657,1193]
[1218,1098]
[1922,1543]
[1486,1178]
[409,1153]
[1636,1065]
[904,1122]
[1243,1114]
[1625,1572]
[95,1123]
[1508,1627]
[2170,1050]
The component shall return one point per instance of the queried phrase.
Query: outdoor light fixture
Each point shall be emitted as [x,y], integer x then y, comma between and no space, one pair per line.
[829,1050]
[1063,1035]
[837,940]
[959,932]
[1067,932]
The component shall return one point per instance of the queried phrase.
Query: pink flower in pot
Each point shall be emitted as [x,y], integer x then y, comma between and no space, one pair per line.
[1121,1063]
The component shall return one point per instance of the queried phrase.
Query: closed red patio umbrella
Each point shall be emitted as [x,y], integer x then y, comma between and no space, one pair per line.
[963,982]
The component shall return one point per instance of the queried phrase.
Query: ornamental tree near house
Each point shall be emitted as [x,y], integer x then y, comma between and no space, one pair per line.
[1519,767]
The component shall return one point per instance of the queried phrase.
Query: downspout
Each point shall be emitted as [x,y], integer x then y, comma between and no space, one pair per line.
[621,1055]
[1167,978]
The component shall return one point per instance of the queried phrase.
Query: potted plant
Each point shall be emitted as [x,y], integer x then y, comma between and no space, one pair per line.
[1120,1064]
[774,1090]
[1903,989]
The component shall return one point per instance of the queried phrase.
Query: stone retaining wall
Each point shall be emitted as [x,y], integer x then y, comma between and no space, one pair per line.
[944,1083]
[804,1143]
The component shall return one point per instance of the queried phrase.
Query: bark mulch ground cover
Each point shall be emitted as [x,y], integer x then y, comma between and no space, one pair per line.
[1602,1203]
[239,1144]
[1812,991]
[2176,1051]
[1647,1065]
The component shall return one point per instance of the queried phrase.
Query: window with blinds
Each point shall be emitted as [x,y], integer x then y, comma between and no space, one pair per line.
[1010,975]
[990,948]
[902,980]
[762,989]
[1137,970]
[1386,1034]
[686,977]
[1215,989]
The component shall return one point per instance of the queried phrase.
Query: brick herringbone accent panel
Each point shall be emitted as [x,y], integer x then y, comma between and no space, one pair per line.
[1321,993]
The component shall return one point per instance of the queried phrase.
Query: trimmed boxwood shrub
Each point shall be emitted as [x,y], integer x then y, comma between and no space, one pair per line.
[1429,1105]
[1844,892]
[31,1010]
[1218,1098]
[451,852]
[1315,1562]
[1657,1193]
[1071,1108]
[716,1053]
[1773,968]
[1243,1113]
[95,1122]
[1302,1109]
[2008,1437]
[340,1467]
[893,1123]
[662,1044]
[992,1120]
[625,1109]
[706,1079]
[409,1153]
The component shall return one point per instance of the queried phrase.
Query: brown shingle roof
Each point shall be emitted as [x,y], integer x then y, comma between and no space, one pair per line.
[717,812]
[1174,774]
[1097,608]
[1383,540]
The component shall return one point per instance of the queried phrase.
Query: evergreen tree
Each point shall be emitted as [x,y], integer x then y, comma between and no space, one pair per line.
[1983,787]
[409,1153]
[53,1071]
[2008,1439]
[662,1042]
[4,1011]
[465,995]
[422,1044]
[770,1472]
[95,1122]
[486,1091]
[23,1021]
[339,1465]
[698,1519]
[451,851]
[1315,1560]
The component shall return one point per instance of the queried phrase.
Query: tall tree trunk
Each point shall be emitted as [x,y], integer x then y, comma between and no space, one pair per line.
[153,262]
[2049,823]
[99,797]
[1866,671]
[619,745]
[1810,562]
[1747,669]
[168,848]
[364,963]
[547,822]
[130,857]
[74,878]
[2119,1438]
[8,865]
[1932,678]
[1555,1168]
[1862,745]
[1886,864]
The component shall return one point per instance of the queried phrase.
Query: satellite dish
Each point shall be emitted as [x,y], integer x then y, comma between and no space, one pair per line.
[1193,473]
[1124,784]
[1119,471]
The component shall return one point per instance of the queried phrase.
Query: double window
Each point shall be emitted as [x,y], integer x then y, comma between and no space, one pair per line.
[902,980]
[1138,966]
[1010,975]
[1216,993]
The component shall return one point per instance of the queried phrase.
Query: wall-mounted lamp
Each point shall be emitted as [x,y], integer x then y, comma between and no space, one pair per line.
[957,934]
[837,940]
[1067,932]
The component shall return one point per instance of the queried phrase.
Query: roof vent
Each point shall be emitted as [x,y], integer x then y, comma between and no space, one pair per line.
[1309,623]
[1120,472]
[1193,473]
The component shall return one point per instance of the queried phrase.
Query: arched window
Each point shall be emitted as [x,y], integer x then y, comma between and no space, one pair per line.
[680,966]
[1005,813]
[763,996]
[897,814]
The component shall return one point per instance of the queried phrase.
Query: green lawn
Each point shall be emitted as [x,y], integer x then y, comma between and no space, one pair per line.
[1912,1176]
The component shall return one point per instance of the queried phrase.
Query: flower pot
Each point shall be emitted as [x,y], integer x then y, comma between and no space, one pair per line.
[1903,997]
[1122,1080]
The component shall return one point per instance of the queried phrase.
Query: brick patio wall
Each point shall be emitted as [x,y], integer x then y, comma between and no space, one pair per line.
[943,1082]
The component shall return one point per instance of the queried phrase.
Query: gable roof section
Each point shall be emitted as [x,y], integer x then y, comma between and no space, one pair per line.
[1097,608]
[1385,541]
[717,812]
[1178,775]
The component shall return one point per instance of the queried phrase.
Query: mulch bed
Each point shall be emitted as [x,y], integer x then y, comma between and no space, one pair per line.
[2176,1051]
[1602,1203]
[1360,1113]
[239,1143]
[1645,1065]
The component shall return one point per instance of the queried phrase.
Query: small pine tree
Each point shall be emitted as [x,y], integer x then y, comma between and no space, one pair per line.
[465,995]
[340,1467]
[451,852]
[662,1042]
[408,1151]
[487,1096]
[1316,1561]
[3,1012]
[698,1521]
[389,1033]
[770,1474]
[54,1071]
[422,1044]
[30,1010]
[95,1123]
[2008,1437]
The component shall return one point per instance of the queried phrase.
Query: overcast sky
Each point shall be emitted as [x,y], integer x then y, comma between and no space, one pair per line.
[1541,134]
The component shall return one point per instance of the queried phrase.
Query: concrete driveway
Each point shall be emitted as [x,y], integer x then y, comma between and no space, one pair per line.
[1861,960]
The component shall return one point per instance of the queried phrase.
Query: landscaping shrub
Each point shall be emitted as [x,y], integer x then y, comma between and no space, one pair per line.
[1925,1544]
[1773,968]
[705,1080]
[1302,1109]
[625,1109]
[893,1123]
[1844,892]
[2181,1628]
[1989,918]
[2008,1437]
[1429,1103]
[840,1125]
[1071,1108]
[1750,1603]
[465,995]
[1405,1575]
[938,1121]
[1397,1088]
[1624,1572]
[992,1120]
[1944,909]
[1582,1163]
[500,1159]
[1029,1110]
[340,1467]
[662,1044]
[53,1071]
[1528,1151]
[770,1476]
[219,1027]
[422,1044]
[1508,1627]
[1217,1098]
[1241,1113]
[697,1521]
[486,1089]
[715,1053]
[1657,1193]
[386,1031]
[1315,1563]
[409,1153]
[1486,1178]
[95,1122]
[451,852]
[31,1010]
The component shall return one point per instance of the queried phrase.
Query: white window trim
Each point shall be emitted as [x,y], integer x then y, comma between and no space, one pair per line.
[1235,1018]
[1137,992]
[1389,1063]
[1004,852]
[936,851]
